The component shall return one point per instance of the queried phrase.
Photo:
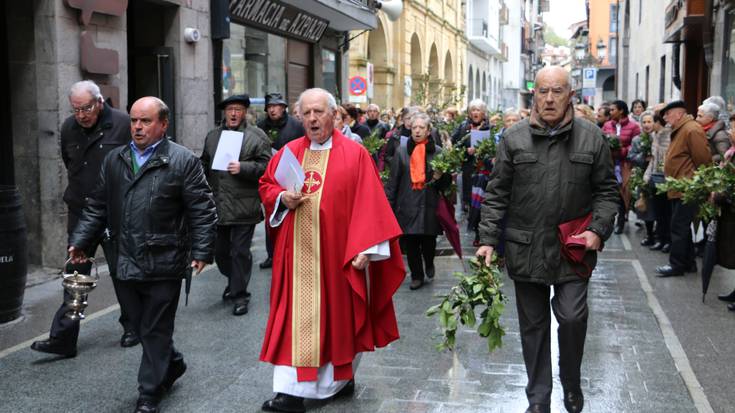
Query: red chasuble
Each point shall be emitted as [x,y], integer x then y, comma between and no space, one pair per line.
[321,308]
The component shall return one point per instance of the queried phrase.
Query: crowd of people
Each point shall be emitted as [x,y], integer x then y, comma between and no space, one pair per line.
[160,213]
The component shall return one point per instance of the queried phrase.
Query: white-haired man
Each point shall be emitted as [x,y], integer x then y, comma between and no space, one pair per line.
[373,120]
[93,129]
[322,319]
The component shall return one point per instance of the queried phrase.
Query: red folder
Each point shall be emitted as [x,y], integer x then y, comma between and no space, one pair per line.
[574,249]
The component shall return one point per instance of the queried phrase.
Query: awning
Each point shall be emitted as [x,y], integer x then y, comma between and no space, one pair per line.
[343,15]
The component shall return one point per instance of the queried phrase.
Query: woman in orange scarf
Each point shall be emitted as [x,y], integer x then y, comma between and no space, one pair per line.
[413,192]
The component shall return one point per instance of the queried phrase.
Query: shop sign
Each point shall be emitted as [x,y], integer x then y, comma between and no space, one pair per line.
[280,18]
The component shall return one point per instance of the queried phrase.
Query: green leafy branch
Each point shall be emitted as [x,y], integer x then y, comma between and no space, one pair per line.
[637,184]
[449,160]
[697,190]
[481,288]
[373,142]
[614,142]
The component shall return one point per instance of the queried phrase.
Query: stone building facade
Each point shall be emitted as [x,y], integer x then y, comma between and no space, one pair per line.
[418,59]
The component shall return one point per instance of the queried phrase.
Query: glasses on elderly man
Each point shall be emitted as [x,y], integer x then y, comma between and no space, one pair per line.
[84,109]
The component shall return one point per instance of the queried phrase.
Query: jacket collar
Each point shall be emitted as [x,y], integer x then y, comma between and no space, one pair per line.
[686,118]
[539,127]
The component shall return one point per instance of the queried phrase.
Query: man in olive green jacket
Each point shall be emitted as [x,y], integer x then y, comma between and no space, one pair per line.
[550,169]
[236,197]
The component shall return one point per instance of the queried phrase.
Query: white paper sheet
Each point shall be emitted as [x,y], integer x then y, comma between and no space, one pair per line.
[289,173]
[477,135]
[404,141]
[228,149]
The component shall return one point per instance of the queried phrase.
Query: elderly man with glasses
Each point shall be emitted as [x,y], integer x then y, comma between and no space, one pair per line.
[93,129]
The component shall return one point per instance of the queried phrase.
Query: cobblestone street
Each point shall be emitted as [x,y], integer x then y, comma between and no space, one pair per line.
[641,353]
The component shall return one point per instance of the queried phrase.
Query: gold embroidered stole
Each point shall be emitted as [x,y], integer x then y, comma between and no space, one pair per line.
[306,294]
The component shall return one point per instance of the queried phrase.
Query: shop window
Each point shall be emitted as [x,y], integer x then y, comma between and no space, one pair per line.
[329,71]
[253,62]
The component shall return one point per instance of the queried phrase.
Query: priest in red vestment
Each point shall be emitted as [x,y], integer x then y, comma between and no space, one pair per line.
[336,264]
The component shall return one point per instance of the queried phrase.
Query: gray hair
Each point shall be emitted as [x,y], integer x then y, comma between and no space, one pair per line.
[720,102]
[423,116]
[711,109]
[331,102]
[650,113]
[511,112]
[86,86]
[477,104]
[373,106]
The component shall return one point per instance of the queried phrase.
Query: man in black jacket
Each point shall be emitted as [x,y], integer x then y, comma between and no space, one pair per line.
[154,198]
[549,170]
[281,128]
[236,197]
[373,121]
[93,130]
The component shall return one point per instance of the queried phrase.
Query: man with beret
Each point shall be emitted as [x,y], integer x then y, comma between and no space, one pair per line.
[281,128]
[236,198]
[688,150]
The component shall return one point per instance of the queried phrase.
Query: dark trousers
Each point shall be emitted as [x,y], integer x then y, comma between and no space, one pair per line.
[467,170]
[570,308]
[152,309]
[662,210]
[681,255]
[268,241]
[233,257]
[420,251]
[63,328]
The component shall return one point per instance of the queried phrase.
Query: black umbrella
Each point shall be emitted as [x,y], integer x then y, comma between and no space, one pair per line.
[709,258]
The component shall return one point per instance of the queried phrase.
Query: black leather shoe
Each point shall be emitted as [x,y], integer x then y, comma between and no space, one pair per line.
[573,401]
[415,284]
[226,294]
[430,272]
[129,339]
[730,298]
[268,263]
[538,408]
[241,307]
[54,346]
[657,246]
[146,406]
[284,403]
[647,242]
[176,369]
[346,391]
[666,248]
[667,271]
[731,306]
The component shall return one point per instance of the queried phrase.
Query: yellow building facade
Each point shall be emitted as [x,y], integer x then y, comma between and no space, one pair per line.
[418,59]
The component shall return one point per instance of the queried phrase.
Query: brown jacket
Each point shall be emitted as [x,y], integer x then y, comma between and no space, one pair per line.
[689,148]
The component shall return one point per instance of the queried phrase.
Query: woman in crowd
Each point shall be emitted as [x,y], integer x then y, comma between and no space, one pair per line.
[585,111]
[726,223]
[654,175]
[413,191]
[639,157]
[476,120]
[339,123]
[716,130]
[637,108]
[625,129]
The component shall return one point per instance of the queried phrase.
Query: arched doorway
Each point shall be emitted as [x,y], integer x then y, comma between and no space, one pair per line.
[416,67]
[470,85]
[377,54]
[449,85]
[434,86]
[608,89]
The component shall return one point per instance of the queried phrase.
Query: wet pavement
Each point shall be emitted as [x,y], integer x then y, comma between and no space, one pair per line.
[652,346]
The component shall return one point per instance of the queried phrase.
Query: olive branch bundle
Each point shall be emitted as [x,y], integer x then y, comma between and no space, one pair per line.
[697,190]
[481,288]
